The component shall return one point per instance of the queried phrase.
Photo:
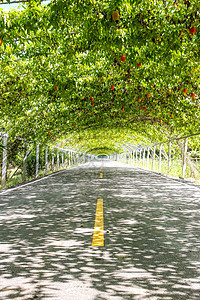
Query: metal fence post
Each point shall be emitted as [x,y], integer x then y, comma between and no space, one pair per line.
[148,158]
[143,157]
[58,162]
[4,163]
[84,158]
[136,158]
[62,160]
[68,158]
[139,158]
[46,160]
[37,159]
[78,159]
[160,157]
[24,163]
[66,163]
[52,162]
[184,157]
[153,161]
[169,156]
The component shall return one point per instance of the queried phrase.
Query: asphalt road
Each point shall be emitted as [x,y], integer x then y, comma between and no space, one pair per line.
[151,237]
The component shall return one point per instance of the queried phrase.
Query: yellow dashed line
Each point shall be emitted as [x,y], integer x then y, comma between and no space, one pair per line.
[98,234]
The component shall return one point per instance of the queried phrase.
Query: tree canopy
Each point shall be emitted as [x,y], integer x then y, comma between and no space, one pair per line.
[100,73]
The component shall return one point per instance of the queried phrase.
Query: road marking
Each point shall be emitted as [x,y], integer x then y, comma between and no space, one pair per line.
[101,175]
[98,234]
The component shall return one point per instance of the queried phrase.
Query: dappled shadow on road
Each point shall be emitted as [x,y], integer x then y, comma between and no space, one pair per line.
[152,235]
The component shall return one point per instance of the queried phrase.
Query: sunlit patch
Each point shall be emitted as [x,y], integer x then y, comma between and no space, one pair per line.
[5,247]
[131,289]
[194,283]
[121,255]
[128,222]
[133,273]
[16,216]
[86,231]
[63,243]
[30,197]
[75,289]
[8,286]
[171,230]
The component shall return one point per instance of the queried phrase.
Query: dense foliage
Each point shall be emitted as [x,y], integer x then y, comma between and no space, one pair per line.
[77,71]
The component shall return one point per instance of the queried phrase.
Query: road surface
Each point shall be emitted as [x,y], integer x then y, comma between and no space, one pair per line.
[151,236]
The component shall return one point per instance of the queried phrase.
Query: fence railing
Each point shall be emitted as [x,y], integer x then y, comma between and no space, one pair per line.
[22,160]
[179,157]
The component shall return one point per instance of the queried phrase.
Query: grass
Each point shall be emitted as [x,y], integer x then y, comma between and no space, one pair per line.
[17,179]
[175,169]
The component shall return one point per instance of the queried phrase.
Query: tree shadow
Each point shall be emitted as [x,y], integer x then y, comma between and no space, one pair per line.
[151,237]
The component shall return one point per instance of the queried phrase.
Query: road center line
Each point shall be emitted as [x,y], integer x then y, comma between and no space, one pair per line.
[98,234]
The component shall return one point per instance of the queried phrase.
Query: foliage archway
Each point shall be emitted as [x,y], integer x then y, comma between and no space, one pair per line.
[76,72]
